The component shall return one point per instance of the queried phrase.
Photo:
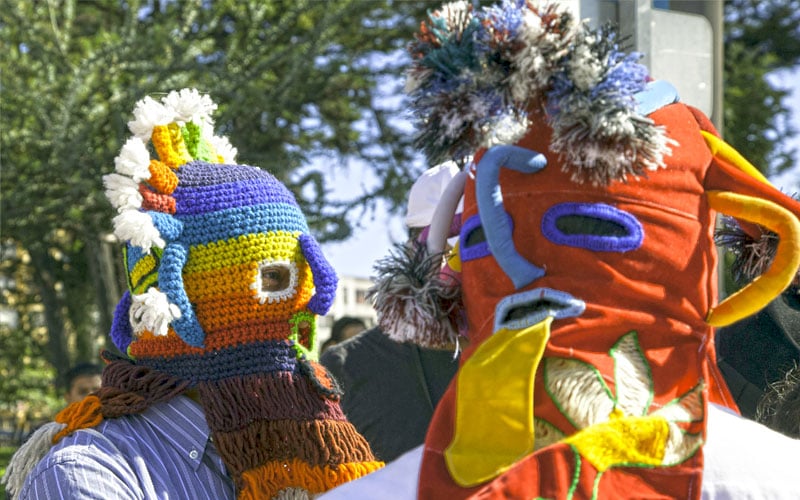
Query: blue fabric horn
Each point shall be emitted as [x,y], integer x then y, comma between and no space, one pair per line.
[495,224]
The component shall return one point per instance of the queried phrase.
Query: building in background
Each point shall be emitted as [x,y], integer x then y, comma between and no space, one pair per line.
[351,300]
[680,41]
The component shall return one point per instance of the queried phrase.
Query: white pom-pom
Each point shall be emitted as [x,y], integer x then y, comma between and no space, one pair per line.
[137,228]
[189,105]
[585,68]
[148,114]
[153,312]
[122,192]
[224,149]
[133,160]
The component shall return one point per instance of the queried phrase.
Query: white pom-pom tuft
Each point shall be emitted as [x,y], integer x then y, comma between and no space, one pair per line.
[122,192]
[148,114]
[137,228]
[133,160]
[224,149]
[190,105]
[153,312]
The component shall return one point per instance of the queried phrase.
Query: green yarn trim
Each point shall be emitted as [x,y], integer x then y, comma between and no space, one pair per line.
[195,144]
[299,344]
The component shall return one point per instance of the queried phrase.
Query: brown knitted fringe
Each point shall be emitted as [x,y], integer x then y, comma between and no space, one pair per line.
[129,389]
[232,404]
[315,442]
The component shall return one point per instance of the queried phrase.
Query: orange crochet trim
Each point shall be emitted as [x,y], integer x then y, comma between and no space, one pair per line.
[269,479]
[156,201]
[82,414]
[249,331]
[162,177]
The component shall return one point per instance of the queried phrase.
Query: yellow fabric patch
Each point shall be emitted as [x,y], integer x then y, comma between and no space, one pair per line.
[623,440]
[454,259]
[759,292]
[494,404]
[723,150]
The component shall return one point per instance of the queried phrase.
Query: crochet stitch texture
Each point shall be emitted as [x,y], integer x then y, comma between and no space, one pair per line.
[225,282]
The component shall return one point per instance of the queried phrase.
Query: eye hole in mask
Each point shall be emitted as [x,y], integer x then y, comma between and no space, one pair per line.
[275,281]
[472,239]
[593,226]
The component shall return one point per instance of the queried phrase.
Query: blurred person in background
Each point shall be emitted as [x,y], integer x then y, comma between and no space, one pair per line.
[344,328]
[391,388]
[82,380]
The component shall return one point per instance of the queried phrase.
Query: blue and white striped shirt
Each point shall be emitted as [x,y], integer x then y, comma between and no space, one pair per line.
[163,453]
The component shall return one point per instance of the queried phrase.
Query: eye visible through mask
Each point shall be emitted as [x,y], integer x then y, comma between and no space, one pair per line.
[275,281]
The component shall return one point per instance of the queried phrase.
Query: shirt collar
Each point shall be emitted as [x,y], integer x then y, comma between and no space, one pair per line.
[182,423]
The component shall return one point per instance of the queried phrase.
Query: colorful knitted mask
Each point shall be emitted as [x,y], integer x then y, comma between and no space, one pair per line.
[225,282]
[587,257]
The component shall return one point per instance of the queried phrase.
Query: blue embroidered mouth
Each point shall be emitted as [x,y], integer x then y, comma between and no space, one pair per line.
[532,306]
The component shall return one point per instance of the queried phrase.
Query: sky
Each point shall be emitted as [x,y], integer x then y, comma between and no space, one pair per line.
[356,256]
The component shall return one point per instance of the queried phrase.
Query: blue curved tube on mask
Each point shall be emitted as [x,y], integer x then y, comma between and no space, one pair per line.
[170,282]
[495,224]
[325,278]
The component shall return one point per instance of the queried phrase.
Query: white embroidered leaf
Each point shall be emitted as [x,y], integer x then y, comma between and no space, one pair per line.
[687,408]
[634,382]
[680,445]
[545,433]
[578,390]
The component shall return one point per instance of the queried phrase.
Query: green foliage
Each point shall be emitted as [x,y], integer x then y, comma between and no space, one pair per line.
[295,81]
[26,375]
[761,36]
[5,457]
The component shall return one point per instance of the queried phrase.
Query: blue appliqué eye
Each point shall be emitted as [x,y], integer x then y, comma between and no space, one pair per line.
[472,239]
[594,226]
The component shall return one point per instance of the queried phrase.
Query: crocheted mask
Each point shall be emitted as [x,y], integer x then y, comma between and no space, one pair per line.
[587,258]
[224,285]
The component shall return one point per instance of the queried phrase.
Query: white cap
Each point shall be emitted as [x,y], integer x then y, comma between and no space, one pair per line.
[426,192]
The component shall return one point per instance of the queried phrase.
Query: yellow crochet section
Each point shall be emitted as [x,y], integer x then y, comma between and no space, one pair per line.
[144,273]
[274,245]
[494,404]
[168,142]
[623,440]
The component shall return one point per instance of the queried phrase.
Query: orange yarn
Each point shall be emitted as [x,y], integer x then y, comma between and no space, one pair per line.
[269,479]
[162,177]
[82,414]
[168,146]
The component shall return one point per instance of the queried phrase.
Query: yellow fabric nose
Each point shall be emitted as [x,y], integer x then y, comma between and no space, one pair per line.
[494,404]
